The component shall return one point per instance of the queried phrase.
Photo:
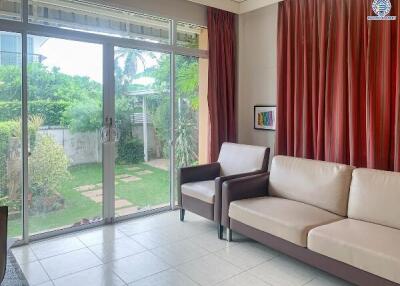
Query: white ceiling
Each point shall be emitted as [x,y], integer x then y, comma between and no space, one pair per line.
[237,6]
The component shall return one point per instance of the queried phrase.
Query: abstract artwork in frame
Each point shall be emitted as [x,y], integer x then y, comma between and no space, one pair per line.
[265,117]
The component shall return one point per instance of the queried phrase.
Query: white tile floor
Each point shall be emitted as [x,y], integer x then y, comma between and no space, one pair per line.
[161,251]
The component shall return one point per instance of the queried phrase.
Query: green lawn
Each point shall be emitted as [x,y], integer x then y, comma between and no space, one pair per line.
[151,190]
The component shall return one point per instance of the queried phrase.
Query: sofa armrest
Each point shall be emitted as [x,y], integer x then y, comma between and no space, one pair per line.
[240,189]
[218,191]
[195,174]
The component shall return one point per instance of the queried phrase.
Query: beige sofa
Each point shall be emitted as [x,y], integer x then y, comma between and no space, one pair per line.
[342,220]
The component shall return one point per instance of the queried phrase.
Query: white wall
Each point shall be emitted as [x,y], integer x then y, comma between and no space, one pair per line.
[181,10]
[257,71]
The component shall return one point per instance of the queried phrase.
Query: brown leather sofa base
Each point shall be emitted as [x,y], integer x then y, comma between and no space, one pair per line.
[334,267]
[198,207]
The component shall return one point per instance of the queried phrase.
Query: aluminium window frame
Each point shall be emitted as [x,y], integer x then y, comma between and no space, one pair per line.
[25,28]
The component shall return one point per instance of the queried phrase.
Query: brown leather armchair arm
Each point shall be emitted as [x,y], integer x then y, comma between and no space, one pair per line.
[240,189]
[196,174]
[218,191]
[3,241]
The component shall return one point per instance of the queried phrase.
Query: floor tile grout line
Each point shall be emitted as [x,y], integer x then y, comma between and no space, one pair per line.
[45,271]
[76,272]
[52,256]
[241,271]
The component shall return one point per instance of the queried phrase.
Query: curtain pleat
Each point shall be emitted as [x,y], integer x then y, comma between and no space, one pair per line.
[338,83]
[222,79]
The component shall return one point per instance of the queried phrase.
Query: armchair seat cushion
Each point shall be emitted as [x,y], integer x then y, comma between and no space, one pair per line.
[203,190]
[371,247]
[287,219]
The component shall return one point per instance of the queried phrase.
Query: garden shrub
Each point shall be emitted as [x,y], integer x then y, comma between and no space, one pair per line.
[84,116]
[48,168]
[7,130]
[50,111]
[130,151]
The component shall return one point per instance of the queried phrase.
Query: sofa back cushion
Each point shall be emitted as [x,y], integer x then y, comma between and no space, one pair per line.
[375,197]
[321,184]
[238,158]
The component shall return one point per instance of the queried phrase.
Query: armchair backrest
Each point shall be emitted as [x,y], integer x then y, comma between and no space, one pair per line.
[238,158]
[322,184]
[3,241]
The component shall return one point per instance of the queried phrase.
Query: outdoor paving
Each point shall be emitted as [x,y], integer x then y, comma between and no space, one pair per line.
[97,199]
[93,194]
[145,172]
[85,188]
[126,211]
[122,176]
[122,204]
[134,169]
[162,164]
[130,179]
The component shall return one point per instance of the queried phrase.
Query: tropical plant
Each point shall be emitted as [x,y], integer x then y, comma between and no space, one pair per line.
[187,86]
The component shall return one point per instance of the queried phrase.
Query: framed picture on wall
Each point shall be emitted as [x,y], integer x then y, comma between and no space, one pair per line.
[265,117]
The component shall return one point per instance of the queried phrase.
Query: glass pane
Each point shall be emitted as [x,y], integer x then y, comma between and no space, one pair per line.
[192,118]
[10,131]
[192,36]
[143,119]
[65,115]
[10,9]
[98,19]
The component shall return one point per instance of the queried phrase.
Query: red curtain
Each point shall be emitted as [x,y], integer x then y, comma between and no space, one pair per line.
[339,83]
[221,79]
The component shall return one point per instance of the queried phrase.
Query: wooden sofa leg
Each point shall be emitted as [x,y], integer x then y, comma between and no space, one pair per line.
[182,214]
[228,234]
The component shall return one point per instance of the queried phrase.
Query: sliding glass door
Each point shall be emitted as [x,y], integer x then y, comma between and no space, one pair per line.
[65,107]
[143,102]
[98,108]
[11,130]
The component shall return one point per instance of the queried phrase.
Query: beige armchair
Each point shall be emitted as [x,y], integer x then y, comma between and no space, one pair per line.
[200,187]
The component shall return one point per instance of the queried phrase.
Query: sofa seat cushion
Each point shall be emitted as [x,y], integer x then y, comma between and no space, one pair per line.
[371,247]
[204,191]
[283,218]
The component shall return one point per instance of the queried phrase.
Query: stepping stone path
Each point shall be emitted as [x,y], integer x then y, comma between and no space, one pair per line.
[95,193]
[145,172]
[121,203]
[134,169]
[122,176]
[130,179]
[126,211]
[97,199]
[123,207]
[85,188]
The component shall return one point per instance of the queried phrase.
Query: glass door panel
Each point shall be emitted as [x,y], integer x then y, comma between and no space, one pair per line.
[11,130]
[191,112]
[142,100]
[65,107]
